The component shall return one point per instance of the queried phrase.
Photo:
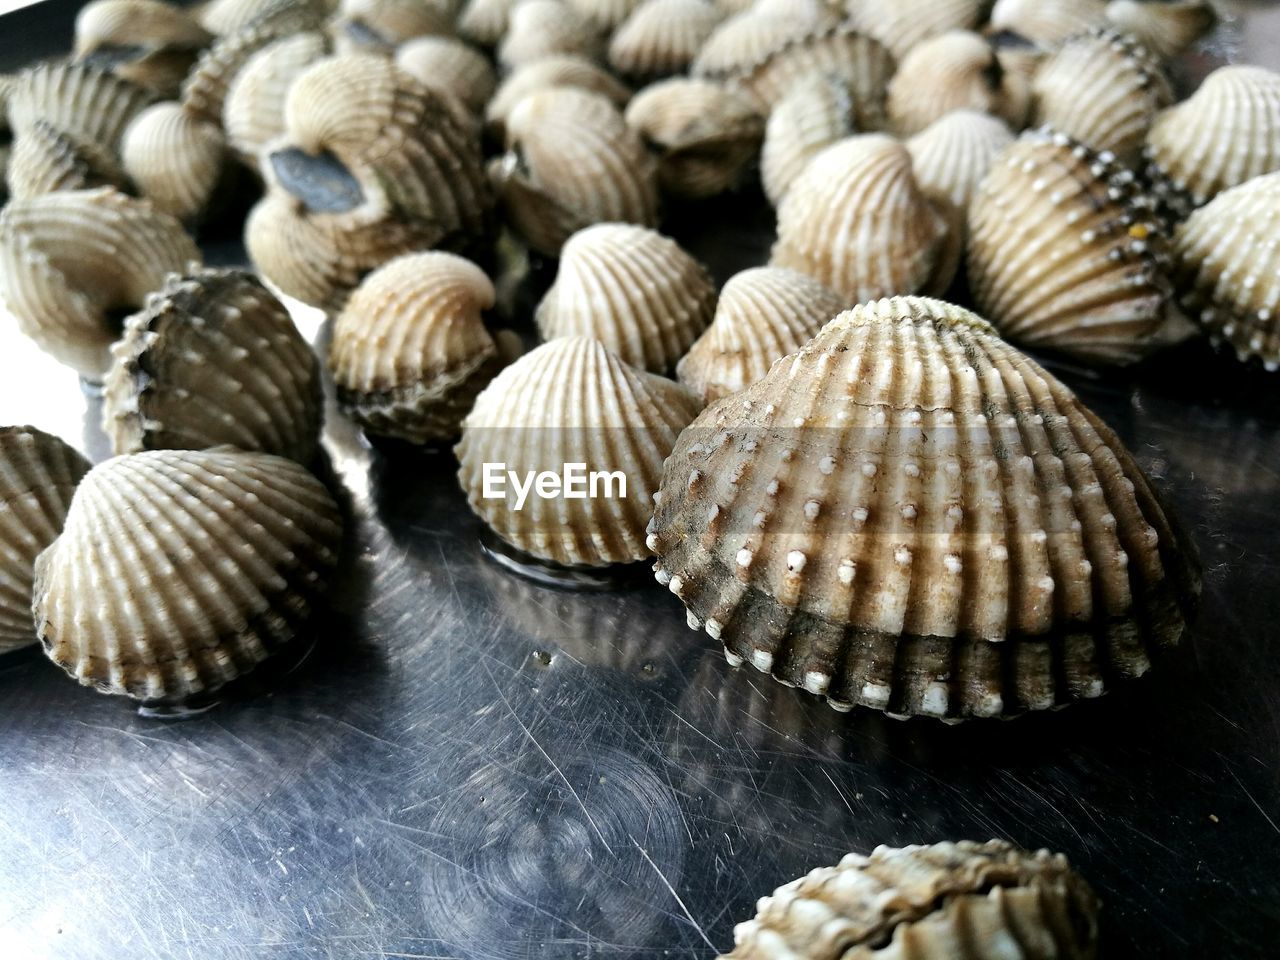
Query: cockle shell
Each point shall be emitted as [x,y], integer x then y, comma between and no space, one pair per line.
[213,358]
[902,24]
[1066,252]
[752,35]
[705,135]
[87,104]
[572,161]
[44,160]
[856,220]
[38,474]
[946,901]
[175,158]
[572,401]
[1104,90]
[410,351]
[911,515]
[148,42]
[1229,269]
[762,315]
[661,37]
[449,66]
[816,113]
[540,28]
[485,21]
[1046,23]
[71,261]
[605,15]
[634,290]
[566,70]
[382,25]
[223,17]
[957,70]
[1167,27]
[179,570]
[253,110]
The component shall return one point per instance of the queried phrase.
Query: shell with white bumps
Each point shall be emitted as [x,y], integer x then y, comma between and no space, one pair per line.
[816,113]
[1166,28]
[178,570]
[661,37]
[911,515]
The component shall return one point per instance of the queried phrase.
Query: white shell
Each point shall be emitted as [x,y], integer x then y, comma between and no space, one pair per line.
[816,113]
[253,111]
[540,28]
[1166,28]
[1046,22]
[561,70]
[903,24]
[175,159]
[661,37]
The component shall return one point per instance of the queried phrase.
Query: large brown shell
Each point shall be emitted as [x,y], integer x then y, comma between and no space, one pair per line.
[213,359]
[179,570]
[38,474]
[661,37]
[911,515]
[153,44]
[382,25]
[175,159]
[541,28]
[946,901]
[1166,28]
[902,24]
[253,110]
[449,66]
[566,70]
[818,112]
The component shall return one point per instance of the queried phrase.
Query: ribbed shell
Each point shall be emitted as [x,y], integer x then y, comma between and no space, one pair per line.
[485,21]
[662,37]
[947,901]
[605,15]
[564,70]
[449,66]
[856,220]
[705,134]
[1166,28]
[902,24]
[175,159]
[150,43]
[85,103]
[1046,22]
[911,515]
[1229,269]
[1226,133]
[954,71]
[752,35]
[382,25]
[44,160]
[228,16]
[1066,253]
[572,401]
[763,314]
[540,28]
[1102,89]
[212,359]
[70,259]
[410,351]
[572,161]
[815,114]
[38,474]
[178,570]
[253,111]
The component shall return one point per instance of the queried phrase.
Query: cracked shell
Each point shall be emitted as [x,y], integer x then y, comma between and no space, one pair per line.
[540,28]
[901,25]
[232,551]
[572,401]
[253,111]
[911,515]
[1166,28]
[565,70]
[817,112]
[150,43]
[661,37]
[175,159]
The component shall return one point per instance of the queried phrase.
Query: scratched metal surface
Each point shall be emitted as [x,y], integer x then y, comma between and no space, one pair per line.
[469,765]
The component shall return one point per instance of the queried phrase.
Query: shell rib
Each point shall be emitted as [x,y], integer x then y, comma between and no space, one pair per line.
[231,551]
[1066,252]
[85,103]
[815,114]
[175,158]
[903,24]
[541,28]
[752,35]
[1166,28]
[604,15]
[253,111]
[911,515]
[70,260]
[762,315]
[947,901]
[382,25]
[557,71]
[662,37]
[572,401]
[410,351]
[449,66]
[147,42]
[38,474]
[45,160]
[1046,23]
[213,359]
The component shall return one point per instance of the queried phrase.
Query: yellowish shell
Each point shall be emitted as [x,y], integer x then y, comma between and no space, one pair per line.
[70,261]
[762,315]
[253,111]
[815,114]
[1166,28]
[911,515]
[634,290]
[565,70]
[150,43]
[213,358]
[572,401]
[485,21]
[449,66]
[410,351]
[175,159]
[902,24]
[382,25]
[856,220]
[38,474]
[44,160]
[1046,23]
[753,34]
[179,570]
[947,901]
[540,28]
[661,37]
[604,15]
[83,102]
[1066,253]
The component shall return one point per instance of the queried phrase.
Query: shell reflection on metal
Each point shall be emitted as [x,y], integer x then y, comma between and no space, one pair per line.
[232,551]
[38,474]
[661,37]
[572,401]
[410,351]
[911,515]
[213,358]
[175,159]
[946,901]
[817,112]
[150,43]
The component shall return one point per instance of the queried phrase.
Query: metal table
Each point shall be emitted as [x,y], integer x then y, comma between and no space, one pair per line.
[467,764]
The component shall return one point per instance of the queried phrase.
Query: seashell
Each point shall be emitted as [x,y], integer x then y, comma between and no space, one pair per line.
[662,37]
[213,358]
[706,136]
[572,401]
[485,22]
[1016,53]
[1229,270]
[1166,28]
[946,901]
[572,161]
[1066,252]
[240,557]
[451,67]
[253,110]
[958,70]
[410,351]
[605,16]
[541,28]
[817,113]
[762,315]
[44,160]
[1046,23]
[565,70]
[224,17]
[382,25]
[634,290]
[38,474]
[175,158]
[911,515]
[71,261]
[856,220]
[750,36]
[1226,133]
[902,24]
[150,43]
[1102,89]
[86,104]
